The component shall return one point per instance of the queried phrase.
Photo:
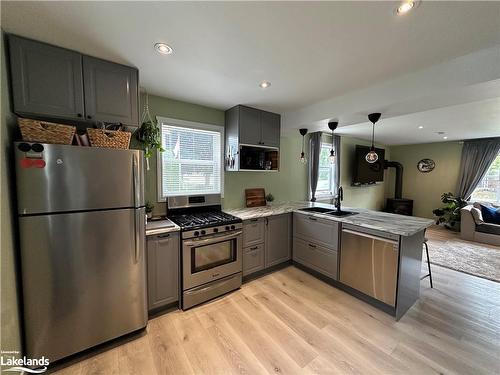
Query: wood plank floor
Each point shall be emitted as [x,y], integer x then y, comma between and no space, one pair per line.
[289,322]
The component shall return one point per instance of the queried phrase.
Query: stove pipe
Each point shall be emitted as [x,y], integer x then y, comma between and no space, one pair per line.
[398,190]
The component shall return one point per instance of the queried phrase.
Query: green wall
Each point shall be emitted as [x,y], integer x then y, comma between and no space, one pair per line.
[426,188]
[10,326]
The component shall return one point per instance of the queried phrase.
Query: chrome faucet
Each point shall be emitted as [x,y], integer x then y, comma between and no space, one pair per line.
[339,198]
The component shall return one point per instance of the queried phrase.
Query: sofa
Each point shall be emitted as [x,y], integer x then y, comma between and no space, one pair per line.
[473,228]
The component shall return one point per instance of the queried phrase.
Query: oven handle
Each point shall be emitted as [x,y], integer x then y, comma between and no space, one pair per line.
[217,238]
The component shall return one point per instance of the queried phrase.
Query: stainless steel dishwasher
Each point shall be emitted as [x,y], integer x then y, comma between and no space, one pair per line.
[369,262]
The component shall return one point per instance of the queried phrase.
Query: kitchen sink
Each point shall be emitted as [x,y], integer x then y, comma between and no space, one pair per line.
[341,213]
[316,209]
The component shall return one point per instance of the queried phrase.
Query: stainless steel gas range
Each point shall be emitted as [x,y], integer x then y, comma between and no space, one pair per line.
[211,247]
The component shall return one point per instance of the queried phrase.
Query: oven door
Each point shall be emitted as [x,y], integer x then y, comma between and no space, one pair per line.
[210,258]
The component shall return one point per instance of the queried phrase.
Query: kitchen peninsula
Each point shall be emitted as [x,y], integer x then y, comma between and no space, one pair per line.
[374,256]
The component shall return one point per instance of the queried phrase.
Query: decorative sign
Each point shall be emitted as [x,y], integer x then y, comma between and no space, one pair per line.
[426,165]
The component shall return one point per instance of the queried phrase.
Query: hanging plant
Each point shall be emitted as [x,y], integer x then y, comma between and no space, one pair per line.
[149,133]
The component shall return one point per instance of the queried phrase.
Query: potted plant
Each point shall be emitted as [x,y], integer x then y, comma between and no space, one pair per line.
[149,210]
[269,199]
[149,136]
[449,214]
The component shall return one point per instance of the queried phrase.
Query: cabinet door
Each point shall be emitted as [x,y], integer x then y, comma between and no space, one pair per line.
[46,80]
[270,128]
[278,239]
[317,257]
[254,232]
[163,270]
[318,230]
[253,259]
[250,129]
[111,92]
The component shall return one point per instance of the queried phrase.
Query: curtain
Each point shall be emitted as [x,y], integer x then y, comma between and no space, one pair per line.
[314,151]
[477,156]
[336,171]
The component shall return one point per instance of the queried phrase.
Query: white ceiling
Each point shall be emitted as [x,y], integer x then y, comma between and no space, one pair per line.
[309,51]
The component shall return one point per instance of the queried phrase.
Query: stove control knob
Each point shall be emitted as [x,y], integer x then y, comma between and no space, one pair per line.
[196,233]
[216,230]
[233,227]
[227,227]
[203,232]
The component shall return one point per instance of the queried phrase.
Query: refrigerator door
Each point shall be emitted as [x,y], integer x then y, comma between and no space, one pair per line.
[78,179]
[84,279]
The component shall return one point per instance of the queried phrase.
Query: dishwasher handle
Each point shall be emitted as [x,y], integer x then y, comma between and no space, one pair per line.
[370,236]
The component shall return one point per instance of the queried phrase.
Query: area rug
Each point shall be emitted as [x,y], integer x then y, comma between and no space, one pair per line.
[468,257]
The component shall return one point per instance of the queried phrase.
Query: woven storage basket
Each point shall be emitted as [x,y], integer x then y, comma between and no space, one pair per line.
[46,132]
[109,138]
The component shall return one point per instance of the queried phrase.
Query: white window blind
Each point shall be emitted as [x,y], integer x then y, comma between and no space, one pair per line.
[191,162]
[326,175]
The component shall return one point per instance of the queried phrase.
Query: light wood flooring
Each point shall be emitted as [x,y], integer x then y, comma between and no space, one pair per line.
[289,322]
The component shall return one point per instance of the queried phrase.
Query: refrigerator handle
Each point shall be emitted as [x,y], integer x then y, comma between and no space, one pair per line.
[135,178]
[139,228]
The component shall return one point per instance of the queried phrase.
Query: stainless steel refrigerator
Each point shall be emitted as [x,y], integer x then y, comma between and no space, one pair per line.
[82,239]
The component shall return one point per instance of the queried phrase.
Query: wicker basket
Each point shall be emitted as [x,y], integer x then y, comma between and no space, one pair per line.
[109,138]
[46,132]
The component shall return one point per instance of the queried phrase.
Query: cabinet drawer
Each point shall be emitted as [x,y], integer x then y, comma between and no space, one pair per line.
[253,259]
[315,256]
[254,231]
[318,230]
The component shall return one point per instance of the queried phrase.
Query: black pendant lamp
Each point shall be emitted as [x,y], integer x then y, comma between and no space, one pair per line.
[371,157]
[332,125]
[302,159]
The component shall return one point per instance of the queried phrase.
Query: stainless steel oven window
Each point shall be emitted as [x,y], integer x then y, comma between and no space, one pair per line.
[212,255]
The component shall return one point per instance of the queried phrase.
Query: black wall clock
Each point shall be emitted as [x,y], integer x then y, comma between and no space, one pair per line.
[426,165]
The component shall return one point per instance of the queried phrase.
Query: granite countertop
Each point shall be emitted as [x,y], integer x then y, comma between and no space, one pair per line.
[382,221]
[160,227]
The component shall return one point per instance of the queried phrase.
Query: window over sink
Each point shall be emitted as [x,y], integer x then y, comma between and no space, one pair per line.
[191,163]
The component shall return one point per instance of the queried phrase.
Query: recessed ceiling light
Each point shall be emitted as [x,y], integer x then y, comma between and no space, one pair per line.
[445,137]
[163,48]
[420,127]
[264,84]
[405,7]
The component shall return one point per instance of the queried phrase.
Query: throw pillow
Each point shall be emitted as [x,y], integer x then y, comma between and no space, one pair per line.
[490,214]
[476,215]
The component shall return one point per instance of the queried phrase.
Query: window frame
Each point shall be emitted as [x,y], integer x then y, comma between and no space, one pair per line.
[322,194]
[160,120]
[473,200]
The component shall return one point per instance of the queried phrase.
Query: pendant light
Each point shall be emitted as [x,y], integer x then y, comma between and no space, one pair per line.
[332,125]
[371,157]
[302,159]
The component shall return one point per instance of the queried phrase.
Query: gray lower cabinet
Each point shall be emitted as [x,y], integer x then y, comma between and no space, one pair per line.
[111,92]
[278,237]
[319,230]
[254,232]
[163,269]
[253,259]
[317,257]
[46,80]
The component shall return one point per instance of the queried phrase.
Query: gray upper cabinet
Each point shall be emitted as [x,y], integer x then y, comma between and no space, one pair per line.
[253,127]
[278,235]
[111,92]
[53,82]
[46,80]
[270,129]
[163,270]
[249,125]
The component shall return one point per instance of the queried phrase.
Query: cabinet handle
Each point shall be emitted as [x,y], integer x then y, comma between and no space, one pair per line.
[312,218]
[313,246]
[89,117]
[79,115]
[254,248]
[164,235]
[254,219]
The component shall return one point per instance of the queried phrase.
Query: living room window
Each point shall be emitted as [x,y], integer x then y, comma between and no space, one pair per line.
[488,189]
[191,163]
